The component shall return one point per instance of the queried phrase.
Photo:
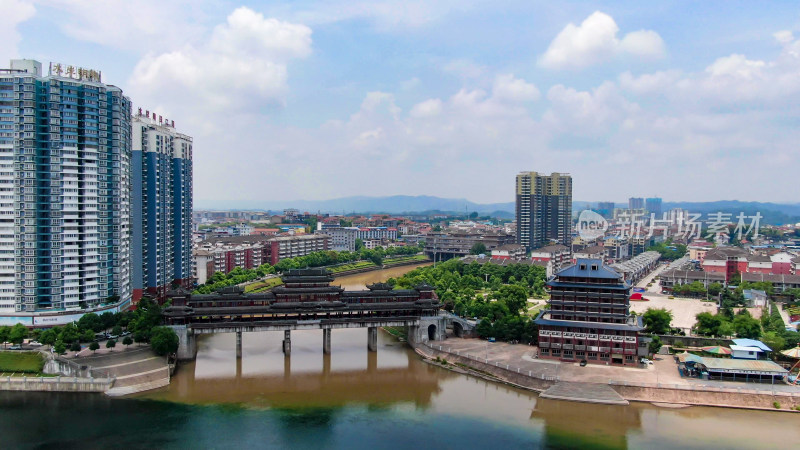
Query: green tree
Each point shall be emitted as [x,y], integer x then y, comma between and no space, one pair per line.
[127,341]
[92,322]
[87,336]
[514,296]
[18,333]
[657,321]
[94,346]
[117,330]
[714,289]
[75,346]
[359,245]
[69,333]
[725,329]
[59,348]
[774,341]
[655,345]
[746,326]
[164,341]
[707,324]
[111,343]
[48,337]
[4,332]
[478,248]
[484,328]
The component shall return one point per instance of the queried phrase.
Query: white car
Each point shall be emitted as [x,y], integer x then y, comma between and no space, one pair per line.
[34,344]
[645,361]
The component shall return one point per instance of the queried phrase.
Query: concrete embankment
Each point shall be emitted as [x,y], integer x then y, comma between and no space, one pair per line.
[488,370]
[55,384]
[115,373]
[727,398]
[733,397]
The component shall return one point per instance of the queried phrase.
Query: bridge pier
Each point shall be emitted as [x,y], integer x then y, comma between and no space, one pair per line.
[326,341]
[372,339]
[187,342]
[372,362]
[326,364]
[287,342]
[238,345]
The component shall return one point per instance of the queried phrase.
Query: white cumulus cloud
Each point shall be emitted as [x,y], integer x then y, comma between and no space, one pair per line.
[595,40]
[428,108]
[241,68]
[12,13]
[506,87]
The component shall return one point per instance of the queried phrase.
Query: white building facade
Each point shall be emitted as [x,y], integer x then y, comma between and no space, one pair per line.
[64,192]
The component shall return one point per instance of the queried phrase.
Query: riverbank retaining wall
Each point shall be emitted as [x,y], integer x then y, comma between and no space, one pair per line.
[494,370]
[739,397]
[705,396]
[55,384]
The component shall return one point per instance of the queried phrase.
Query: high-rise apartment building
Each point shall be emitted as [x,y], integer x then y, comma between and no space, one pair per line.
[544,209]
[64,192]
[162,206]
[605,209]
[636,203]
[653,206]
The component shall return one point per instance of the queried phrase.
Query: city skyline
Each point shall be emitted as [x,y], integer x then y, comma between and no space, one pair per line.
[436,94]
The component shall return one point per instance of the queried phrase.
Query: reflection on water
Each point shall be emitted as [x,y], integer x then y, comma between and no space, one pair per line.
[264,377]
[354,399]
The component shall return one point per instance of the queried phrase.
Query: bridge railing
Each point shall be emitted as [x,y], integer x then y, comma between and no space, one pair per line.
[530,373]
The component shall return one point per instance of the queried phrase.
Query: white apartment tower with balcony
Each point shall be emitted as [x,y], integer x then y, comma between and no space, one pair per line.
[65,202]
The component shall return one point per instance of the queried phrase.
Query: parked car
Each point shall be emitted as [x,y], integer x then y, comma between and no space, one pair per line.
[645,361]
[34,344]
[583,363]
[15,347]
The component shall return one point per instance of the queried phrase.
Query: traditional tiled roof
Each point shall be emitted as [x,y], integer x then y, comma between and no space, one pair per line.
[589,268]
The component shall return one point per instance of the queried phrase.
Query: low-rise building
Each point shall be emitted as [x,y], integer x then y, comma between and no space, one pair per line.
[344,238]
[509,251]
[558,255]
[755,298]
[440,246]
[638,267]
[593,252]
[670,278]
[223,254]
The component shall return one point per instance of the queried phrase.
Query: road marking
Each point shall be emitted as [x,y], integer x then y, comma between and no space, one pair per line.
[126,363]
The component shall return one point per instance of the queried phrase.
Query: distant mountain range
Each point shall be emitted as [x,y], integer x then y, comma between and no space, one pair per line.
[395,204]
[773,213]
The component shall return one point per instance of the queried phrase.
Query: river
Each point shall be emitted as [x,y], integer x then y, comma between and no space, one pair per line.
[356,399]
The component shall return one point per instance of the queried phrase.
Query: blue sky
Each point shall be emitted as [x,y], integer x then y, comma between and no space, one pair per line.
[315,100]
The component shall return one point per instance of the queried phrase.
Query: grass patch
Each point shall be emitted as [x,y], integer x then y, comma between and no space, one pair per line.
[398,332]
[405,259]
[262,286]
[352,266]
[21,362]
